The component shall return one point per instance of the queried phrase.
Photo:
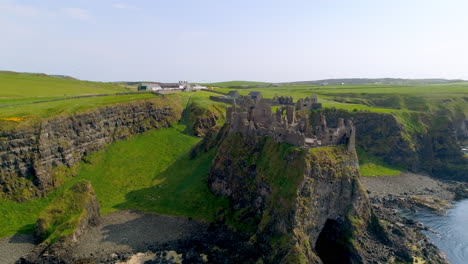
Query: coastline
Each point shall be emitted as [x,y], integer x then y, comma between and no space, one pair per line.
[392,195]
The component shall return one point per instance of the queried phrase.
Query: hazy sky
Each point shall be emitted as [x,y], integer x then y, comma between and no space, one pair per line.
[216,40]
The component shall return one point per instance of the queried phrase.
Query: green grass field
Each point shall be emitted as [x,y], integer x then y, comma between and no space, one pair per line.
[22,85]
[21,96]
[150,172]
[70,106]
[236,84]
[376,98]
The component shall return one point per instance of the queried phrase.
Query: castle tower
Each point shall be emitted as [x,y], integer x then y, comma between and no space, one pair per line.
[352,136]
[323,122]
[314,98]
[341,124]
[291,114]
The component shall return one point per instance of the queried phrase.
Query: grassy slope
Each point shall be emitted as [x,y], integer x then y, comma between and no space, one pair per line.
[71,106]
[20,91]
[23,85]
[150,172]
[370,165]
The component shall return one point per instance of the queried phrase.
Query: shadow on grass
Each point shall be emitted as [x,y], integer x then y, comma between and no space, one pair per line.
[182,190]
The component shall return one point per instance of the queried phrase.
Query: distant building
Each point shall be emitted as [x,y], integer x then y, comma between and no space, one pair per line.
[149,87]
[175,86]
[198,87]
[180,86]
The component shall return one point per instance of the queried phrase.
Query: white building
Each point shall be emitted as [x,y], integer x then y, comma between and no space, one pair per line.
[198,87]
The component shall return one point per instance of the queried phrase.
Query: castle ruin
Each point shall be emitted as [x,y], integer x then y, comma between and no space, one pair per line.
[254,117]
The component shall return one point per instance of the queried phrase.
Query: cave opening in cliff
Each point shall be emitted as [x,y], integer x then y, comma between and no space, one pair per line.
[332,245]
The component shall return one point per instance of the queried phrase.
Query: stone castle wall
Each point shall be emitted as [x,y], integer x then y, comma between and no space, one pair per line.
[255,118]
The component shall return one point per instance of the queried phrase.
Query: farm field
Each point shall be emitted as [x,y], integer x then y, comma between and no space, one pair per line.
[27,97]
[375,98]
[30,85]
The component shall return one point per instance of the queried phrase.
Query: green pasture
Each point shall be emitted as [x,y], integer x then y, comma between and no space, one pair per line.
[375,97]
[21,85]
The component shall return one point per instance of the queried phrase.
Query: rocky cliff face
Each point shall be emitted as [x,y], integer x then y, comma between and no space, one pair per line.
[29,155]
[203,119]
[304,206]
[434,150]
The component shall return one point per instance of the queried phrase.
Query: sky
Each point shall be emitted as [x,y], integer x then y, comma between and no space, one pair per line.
[222,40]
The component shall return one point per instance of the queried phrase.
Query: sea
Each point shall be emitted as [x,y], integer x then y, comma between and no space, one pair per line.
[449,233]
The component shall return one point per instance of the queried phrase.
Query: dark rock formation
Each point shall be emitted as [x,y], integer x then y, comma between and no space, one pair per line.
[203,119]
[434,150]
[303,206]
[31,153]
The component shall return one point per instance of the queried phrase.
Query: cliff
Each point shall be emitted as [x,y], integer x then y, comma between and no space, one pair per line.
[61,225]
[417,142]
[34,158]
[203,118]
[304,206]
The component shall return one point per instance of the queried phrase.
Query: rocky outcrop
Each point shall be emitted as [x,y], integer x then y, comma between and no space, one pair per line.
[58,243]
[203,119]
[303,206]
[432,149]
[31,153]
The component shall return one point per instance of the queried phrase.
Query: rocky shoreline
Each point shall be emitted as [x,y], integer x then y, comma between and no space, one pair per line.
[414,191]
[136,237]
[390,195]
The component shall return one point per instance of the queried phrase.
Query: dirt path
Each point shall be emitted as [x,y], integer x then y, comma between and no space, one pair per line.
[14,247]
[406,184]
[133,231]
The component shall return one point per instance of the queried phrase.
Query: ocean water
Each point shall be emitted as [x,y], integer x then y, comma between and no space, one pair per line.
[450,232]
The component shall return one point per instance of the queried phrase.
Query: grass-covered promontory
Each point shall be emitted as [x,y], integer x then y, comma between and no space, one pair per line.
[203,115]
[63,215]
